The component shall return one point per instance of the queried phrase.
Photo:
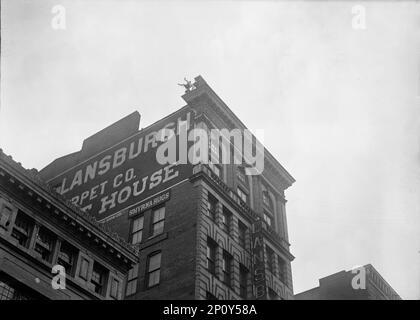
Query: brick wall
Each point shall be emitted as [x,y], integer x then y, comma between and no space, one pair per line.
[177,245]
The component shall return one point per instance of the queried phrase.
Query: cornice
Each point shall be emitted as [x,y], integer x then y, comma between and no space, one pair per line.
[203,90]
[60,206]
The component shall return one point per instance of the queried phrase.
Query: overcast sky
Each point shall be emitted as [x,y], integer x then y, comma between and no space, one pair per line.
[339,106]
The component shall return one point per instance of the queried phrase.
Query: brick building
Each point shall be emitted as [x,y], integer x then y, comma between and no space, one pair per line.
[204,231]
[363,283]
[39,229]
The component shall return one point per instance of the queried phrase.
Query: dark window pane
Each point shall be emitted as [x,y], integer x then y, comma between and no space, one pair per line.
[227,268]
[22,229]
[98,278]
[242,229]
[137,232]
[44,244]
[212,206]
[211,256]
[158,221]
[153,270]
[243,281]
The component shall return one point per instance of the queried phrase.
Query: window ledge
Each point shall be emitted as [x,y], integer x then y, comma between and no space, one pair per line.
[153,240]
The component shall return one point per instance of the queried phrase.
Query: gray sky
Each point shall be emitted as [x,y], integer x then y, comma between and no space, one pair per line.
[339,106]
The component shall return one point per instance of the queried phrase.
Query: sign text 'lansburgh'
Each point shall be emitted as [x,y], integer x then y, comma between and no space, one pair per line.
[124,174]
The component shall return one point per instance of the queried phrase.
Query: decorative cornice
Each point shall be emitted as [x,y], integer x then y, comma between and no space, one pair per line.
[202,89]
[69,208]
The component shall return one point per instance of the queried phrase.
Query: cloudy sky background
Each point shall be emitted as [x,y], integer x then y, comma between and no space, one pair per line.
[339,106]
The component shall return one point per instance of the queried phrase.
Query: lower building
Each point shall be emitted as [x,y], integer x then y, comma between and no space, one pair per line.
[50,249]
[364,283]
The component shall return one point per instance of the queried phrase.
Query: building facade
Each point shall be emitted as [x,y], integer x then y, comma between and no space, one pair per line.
[364,283]
[50,249]
[204,230]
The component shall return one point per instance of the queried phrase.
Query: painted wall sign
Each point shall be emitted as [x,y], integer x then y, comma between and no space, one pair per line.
[260,286]
[150,203]
[124,174]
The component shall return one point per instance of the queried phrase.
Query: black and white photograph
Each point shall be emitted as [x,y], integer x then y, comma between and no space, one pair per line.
[224,150]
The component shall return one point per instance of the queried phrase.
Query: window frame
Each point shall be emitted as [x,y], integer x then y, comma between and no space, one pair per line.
[24,226]
[226,218]
[267,214]
[227,261]
[103,273]
[211,248]
[270,260]
[282,263]
[242,194]
[243,287]
[242,226]
[160,221]
[134,233]
[132,280]
[212,213]
[149,272]
[72,252]
[44,246]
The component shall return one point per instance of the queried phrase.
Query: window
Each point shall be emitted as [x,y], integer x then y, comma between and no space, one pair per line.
[242,175]
[115,288]
[242,234]
[84,268]
[22,229]
[210,296]
[267,200]
[211,256]
[269,208]
[212,206]
[158,221]
[44,244]
[282,269]
[98,278]
[6,212]
[227,268]
[270,259]
[66,257]
[215,152]
[226,219]
[268,218]
[243,281]
[243,195]
[132,280]
[137,233]
[153,270]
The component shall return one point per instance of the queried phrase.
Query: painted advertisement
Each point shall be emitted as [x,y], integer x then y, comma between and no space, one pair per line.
[125,174]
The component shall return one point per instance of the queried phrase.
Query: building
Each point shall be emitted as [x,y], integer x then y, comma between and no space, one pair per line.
[364,283]
[40,231]
[203,230]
